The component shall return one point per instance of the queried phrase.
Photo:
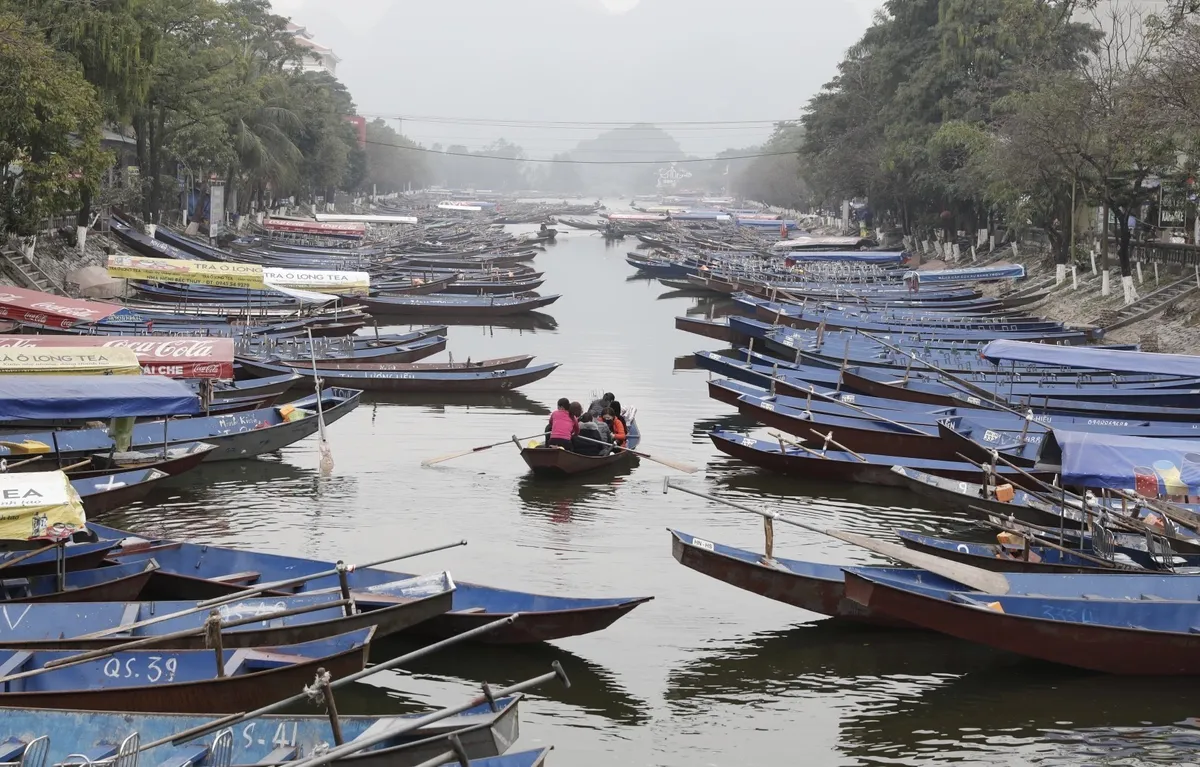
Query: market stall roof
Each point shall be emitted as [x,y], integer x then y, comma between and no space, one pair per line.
[48,398]
[49,310]
[172,356]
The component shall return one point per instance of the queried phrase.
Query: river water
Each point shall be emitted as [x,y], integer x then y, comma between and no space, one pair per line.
[705,674]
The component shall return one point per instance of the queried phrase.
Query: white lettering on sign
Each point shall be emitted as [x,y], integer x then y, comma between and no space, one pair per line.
[700,543]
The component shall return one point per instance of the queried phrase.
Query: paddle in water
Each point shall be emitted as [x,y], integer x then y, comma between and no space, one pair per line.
[481,448]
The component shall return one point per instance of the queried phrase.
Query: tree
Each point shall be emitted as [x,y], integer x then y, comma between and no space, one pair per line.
[49,129]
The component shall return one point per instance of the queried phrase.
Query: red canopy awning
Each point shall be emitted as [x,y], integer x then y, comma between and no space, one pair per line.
[315,227]
[159,355]
[50,310]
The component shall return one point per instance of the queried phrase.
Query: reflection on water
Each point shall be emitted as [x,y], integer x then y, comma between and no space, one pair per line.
[594,689]
[1034,713]
[705,673]
[434,402]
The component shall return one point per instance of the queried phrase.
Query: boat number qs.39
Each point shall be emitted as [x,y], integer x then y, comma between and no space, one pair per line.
[155,669]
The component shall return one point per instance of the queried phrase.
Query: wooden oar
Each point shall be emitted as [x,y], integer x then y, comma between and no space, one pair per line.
[481,448]
[993,399]
[981,580]
[912,429]
[27,555]
[686,468]
[239,596]
[12,466]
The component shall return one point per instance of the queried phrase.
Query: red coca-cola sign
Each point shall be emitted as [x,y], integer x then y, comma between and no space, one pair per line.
[159,355]
[49,310]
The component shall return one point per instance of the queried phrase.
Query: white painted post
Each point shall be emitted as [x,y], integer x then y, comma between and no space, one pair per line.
[974,255]
[1074,278]
[1060,274]
[991,242]
[1015,253]
[1155,274]
[957,252]
[1139,271]
[1093,256]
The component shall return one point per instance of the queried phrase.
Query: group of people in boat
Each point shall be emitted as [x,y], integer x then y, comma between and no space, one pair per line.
[595,432]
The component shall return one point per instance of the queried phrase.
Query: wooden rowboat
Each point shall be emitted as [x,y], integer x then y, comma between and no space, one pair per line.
[556,462]
[390,609]
[181,681]
[500,363]
[275,738]
[115,583]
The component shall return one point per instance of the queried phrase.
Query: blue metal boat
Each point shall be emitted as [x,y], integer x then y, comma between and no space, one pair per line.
[1121,624]
[93,737]
[236,435]
[180,681]
[121,583]
[192,571]
[67,625]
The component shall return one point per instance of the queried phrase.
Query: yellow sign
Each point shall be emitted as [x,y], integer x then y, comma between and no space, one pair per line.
[229,275]
[220,273]
[69,361]
[39,506]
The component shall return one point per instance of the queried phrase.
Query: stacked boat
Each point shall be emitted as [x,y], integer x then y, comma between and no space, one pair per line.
[1079,464]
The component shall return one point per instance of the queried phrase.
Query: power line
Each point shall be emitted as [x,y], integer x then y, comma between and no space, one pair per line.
[583,162]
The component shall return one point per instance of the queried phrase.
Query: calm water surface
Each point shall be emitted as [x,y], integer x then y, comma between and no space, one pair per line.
[705,674]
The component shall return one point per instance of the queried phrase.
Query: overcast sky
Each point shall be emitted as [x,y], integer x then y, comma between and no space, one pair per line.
[583,61]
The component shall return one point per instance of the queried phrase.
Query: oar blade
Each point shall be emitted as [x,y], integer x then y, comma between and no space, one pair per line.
[982,580]
[686,468]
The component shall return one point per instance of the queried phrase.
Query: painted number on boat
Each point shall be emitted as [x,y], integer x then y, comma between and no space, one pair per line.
[990,436]
[281,739]
[747,442]
[155,669]
[700,543]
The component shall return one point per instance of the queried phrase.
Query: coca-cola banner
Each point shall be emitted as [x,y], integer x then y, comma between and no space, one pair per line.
[315,227]
[159,355]
[49,310]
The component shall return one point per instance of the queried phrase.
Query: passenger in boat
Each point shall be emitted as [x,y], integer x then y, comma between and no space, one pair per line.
[615,426]
[619,414]
[563,426]
[597,407]
[592,437]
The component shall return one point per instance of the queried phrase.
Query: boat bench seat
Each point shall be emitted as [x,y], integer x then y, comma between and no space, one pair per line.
[260,660]
[185,756]
[11,750]
[469,610]
[15,586]
[367,598]
[1152,598]
[278,756]
[101,753]
[245,578]
[15,664]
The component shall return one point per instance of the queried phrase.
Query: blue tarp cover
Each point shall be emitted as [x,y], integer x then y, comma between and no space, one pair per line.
[1153,467]
[93,397]
[1006,272]
[1093,357]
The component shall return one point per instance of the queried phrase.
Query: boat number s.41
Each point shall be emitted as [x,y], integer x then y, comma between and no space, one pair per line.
[284,736]
[152,668]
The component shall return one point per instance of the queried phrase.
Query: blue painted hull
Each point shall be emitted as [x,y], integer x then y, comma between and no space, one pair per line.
[184,568]
[483,733]
[183,681]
